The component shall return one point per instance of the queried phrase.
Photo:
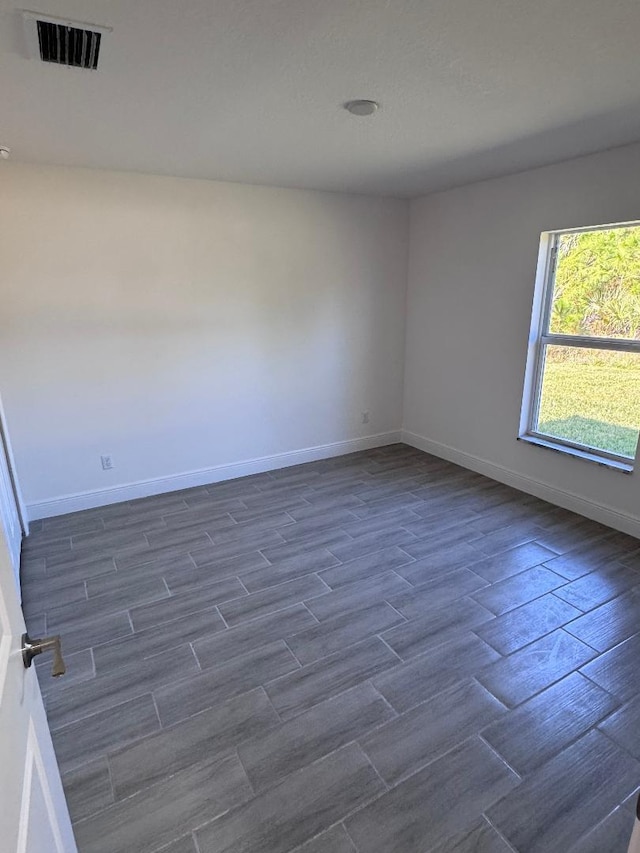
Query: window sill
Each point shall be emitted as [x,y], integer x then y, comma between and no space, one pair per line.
[623,467]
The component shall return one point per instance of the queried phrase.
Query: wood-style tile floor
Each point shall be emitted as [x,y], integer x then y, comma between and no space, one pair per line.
[381,653]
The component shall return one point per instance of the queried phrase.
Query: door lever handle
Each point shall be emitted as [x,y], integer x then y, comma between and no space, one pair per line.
[31,648]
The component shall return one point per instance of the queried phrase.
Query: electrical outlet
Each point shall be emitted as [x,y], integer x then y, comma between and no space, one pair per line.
[107,462]
[365,417]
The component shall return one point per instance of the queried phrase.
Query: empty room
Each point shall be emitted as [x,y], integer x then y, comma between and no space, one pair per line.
[319,426]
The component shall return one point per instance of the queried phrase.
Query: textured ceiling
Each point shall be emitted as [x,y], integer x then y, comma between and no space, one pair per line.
[250,90]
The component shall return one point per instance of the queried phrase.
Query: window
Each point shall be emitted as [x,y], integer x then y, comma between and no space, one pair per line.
[582,391]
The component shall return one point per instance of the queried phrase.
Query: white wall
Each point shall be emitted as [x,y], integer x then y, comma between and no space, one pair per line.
[473,254]
[181,325]
[191,325]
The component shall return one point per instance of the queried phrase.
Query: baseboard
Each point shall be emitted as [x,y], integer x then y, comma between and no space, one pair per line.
[204,476]
[597,512]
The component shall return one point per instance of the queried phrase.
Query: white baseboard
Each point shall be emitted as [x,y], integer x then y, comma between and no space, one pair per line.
[204,476]
[568,500]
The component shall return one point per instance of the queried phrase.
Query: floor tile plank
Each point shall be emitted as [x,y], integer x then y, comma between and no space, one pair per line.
[528,671]
[609,624]
[268,758]
[612,835]
[599,586]
[159,639]
[358,594]
[439,669]
[423,734]
[449,795]
[540,728]
[563,800]
[247,636]
[211,734]
[128,682]
[481,838]
[616,671]
[334,840]
[298,808]
[511,562]
[302,689]
[272,598]
[436,626]
[518,589]
[335,634]
[517,628]
[88,789]
[177,701]
[363,568]
[166,811]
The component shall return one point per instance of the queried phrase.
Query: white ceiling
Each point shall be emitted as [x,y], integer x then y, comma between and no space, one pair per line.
[250,90]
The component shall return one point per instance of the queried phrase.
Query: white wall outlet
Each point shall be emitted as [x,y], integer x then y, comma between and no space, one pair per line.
[107,462]
[365,417]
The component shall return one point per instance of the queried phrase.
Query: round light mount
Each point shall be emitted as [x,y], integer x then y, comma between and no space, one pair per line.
[362,107]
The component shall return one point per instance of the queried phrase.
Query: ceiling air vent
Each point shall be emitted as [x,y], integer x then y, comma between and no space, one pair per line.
[62,42]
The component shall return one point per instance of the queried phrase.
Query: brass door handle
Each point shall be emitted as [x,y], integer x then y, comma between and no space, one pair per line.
[31,648]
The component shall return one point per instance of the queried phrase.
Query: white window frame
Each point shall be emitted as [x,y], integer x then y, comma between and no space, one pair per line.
[540,337]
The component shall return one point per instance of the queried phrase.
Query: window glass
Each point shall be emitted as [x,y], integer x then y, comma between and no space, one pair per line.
[596,290]
[591,397]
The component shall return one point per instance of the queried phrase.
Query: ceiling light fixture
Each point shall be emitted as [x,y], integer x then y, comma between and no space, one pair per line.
[4,152]
[361,107]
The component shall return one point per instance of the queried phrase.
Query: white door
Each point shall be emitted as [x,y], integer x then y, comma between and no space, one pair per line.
[634,844]
[33,813]
[11,506]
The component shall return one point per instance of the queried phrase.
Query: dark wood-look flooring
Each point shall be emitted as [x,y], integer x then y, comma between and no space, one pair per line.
[381,653]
